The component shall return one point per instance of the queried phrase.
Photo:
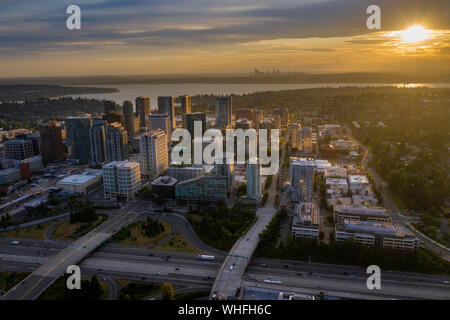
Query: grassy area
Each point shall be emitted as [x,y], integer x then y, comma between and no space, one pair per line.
[37,232]
[398,202]
[177,243]
[59,291]
[10,279]
[136,238]
[131,290]
[191,295]
[68,231]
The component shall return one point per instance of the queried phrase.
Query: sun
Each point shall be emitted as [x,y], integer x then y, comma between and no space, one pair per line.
[415,33]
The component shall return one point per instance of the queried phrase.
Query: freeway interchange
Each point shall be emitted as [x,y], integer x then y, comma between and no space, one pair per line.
[143,264]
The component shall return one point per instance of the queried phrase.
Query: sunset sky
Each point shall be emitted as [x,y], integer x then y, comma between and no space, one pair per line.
[215,36]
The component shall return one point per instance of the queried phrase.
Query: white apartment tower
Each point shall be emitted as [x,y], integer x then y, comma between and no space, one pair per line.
[121,180]
[154,154]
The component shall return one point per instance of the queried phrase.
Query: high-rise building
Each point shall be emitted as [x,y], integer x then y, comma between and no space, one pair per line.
[302,179]
[18,149]
[166,106]
[276,120]
[130,120]
[161,121]
[97,136]
[121,180]
[113,117]
[190,120]
[111,106]
[185,104]
[253,169]
[224,167]
[224,109]
[143,110]
[305,139]
[154,154]
[294,129]
[258,116]
[284,115]
[78,137]
[52,145]
[116,142]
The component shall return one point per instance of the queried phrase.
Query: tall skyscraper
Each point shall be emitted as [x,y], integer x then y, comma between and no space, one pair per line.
[116,142]
[52,144]
[161,121]
[284,115]
[302,179]
[154,154]
[166,106]
[294,129]
[190,120]
[111,106]
[143,110]
[185,104]
[77,129]
[130,120]
[224,109]
[97,136]
[121,180]
[253,169]
[305,139]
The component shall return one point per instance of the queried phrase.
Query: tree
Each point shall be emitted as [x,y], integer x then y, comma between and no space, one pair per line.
[167,291]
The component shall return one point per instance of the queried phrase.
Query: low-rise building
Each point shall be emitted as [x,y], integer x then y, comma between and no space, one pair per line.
[80,183]
[164,187]
[211,187]
[344,212]
[378,234]
[306,221]
[9,175]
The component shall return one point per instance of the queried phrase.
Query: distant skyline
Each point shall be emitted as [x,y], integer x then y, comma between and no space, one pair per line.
[158,37]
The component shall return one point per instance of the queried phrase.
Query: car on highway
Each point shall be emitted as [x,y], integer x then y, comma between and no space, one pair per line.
[177,269]
[299,274]
[445,282]
[285,266]
[264,265]
[15,243]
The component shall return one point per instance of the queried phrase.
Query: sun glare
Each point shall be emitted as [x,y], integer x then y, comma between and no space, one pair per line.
[415,34]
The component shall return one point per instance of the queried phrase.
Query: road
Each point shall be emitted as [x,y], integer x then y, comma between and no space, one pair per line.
[39,280]
[152,266]
[389,204]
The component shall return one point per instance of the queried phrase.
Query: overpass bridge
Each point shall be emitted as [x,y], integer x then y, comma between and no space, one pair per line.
[39,280]
[229,278]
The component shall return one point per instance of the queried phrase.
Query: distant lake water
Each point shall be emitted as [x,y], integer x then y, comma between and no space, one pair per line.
[131,91]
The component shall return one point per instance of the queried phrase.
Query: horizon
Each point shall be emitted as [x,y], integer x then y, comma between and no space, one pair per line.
[156,38]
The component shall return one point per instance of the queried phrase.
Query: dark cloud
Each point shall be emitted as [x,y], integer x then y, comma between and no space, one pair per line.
[162,23]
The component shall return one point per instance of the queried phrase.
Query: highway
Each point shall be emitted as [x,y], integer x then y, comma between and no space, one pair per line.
[39,280]
[184,269]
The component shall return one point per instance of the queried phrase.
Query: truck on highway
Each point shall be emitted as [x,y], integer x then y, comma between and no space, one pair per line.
[205,257]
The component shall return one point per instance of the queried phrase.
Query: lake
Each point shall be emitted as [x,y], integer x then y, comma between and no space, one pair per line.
[131,91]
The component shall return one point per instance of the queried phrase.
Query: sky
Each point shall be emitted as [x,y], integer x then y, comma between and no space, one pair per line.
[123,37]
